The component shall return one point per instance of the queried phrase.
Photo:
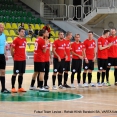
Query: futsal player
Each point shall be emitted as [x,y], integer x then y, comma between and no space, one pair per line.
[67,61]
[89,58]
[39,60]
[112,56]
[102,56]
[18,52]
[59,60]
[3,58]
[77,56]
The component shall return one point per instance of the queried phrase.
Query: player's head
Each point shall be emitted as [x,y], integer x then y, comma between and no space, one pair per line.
[21,32]
[43,33]
[1,27]
[77,37]
[106,33]
[61,35]
[113,31]
[90,34]
[68,35]
[29,26]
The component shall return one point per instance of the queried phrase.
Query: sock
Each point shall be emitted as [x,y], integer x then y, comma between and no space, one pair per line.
[41,84]
[115,74]
[53,79]
[59,79]
[72,77]
[107,74]
[84,77]
[65,77]
[32,83]
[20,80]
[45,78]
[103,76]
[13,81]
[38,81]
[78,77]
[98,77]
[3,82]
[89,78]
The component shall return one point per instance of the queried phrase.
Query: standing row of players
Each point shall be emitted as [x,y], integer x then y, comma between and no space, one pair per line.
[62,49]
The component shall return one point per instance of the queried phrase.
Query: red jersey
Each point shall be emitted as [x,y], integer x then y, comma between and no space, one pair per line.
[39,55]
[77,48]
[67,48]
[112,51]
[59,46]
[47,54]
[103,54]
[19,46]
[89,46]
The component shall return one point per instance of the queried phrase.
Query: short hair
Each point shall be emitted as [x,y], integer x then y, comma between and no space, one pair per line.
[77,35]
[90,31]
[105,31]
[29,25]
[113,28]
[60,32]
[21,28]
[68,33]
[41,32]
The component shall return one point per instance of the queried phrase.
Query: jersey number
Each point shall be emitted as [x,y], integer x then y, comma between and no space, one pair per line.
[36,45]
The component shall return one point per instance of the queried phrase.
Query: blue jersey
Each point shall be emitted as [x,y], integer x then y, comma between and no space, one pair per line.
[2,43]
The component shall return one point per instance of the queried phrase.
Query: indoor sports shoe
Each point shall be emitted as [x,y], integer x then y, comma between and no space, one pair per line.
[5,91]
[73,86]
[54,87]
[92,85]
[104,84]
[99,84]
[43,90]
[108,84]
[115,83]
[61,87]
[85,85]
[32,88]
[21,90]
[13,90]
[80,86]
[66,86]
[46,87]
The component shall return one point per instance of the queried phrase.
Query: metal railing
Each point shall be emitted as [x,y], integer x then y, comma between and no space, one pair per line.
[57,11]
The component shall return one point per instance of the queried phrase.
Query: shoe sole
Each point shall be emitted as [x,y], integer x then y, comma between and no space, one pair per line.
[43,91]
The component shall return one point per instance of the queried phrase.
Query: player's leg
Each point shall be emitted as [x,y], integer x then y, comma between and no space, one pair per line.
[115,71]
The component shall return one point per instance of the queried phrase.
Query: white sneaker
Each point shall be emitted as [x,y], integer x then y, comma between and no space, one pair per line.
[80,86]
[99,84]
[32,88]
[92,85]
[46,87]
[73,86]
[85,85]
[54,87]
[104,84]
[61,87]
[43,89]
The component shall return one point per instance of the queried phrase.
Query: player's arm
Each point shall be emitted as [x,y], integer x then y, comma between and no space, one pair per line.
[84,54]
[73,53]
[105,47]
[54,52]
[5,53]
[12,51]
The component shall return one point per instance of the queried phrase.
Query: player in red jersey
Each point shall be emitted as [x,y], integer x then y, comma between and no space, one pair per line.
[19,56]
[102,56]
[59,60]
[112,56]
[89,58]
[77,56]
[39,60]
[67,61]
[47,64]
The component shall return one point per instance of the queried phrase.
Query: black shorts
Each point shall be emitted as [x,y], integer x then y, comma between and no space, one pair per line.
[112,61]
[76,65]
[89,65]
[19,67]
[39,66]
[58,66]
[2,61]
[102,64]
[47,66]
[67,66]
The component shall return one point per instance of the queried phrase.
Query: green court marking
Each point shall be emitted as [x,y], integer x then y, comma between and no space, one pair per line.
[39,96]
[32,71]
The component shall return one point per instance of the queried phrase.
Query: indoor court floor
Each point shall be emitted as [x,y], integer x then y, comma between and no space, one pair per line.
[79,102]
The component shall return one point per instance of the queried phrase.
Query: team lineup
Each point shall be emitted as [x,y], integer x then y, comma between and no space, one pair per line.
[83,55]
